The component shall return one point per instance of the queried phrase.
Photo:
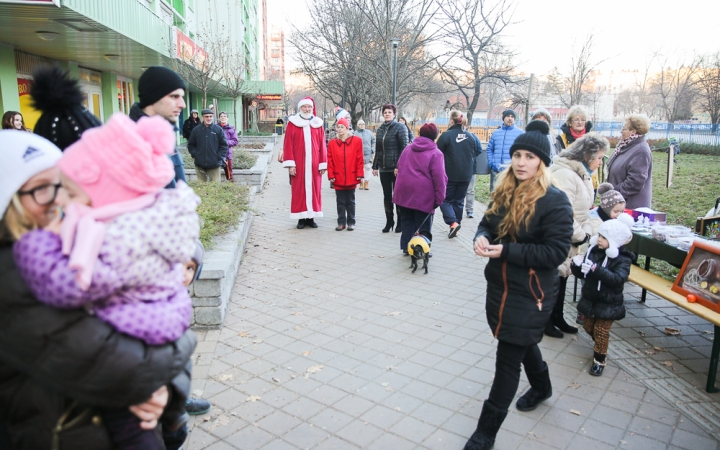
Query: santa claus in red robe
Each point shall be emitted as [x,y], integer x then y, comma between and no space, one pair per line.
[305,155]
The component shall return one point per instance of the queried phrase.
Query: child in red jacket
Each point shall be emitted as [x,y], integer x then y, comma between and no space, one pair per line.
[345,170]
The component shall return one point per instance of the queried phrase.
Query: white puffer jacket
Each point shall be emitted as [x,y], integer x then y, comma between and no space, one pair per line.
[573,178]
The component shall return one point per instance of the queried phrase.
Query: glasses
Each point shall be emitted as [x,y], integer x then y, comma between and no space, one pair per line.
[43,195]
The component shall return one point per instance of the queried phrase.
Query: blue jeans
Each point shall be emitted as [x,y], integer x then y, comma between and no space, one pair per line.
[452,207]
[493,179]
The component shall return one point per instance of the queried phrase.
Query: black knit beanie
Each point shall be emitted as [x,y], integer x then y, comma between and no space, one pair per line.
[58,96]
[534,139]
[509,112]
[157,82]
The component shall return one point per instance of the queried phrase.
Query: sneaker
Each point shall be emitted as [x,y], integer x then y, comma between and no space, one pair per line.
[470,215]
[454,228]
[197,406]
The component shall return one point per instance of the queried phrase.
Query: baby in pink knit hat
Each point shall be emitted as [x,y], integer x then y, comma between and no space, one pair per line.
[122,246]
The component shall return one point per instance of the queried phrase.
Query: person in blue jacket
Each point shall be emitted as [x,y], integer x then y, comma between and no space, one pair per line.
[498,149]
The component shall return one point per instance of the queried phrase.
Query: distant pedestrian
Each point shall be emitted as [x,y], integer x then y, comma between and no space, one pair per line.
[232,141]
[190,123]
[470,195]
[208,147]
[498,149]
[13,120]
[605,269]
[391,140]
[368,138]
[544,115]
[459,149]
[345,171]
[409,130]
[526,234]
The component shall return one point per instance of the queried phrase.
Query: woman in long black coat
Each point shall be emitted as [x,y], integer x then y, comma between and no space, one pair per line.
[526,233]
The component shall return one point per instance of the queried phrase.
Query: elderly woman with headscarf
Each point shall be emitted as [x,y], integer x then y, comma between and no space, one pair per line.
[572,171]
[629,168]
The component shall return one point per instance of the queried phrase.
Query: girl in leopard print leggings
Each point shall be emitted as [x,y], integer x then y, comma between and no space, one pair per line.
[605,268]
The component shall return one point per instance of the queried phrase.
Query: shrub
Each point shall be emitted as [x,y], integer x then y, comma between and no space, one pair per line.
[243,159]
[252,145]
[221,206]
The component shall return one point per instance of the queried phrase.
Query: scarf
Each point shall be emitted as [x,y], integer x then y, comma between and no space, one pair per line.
[621,145]
[577,135]
[83,232]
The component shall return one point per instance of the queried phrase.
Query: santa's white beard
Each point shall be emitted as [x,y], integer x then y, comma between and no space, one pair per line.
[305,115]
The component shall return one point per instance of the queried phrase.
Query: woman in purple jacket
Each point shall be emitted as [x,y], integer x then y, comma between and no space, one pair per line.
[232,140]
[420,183]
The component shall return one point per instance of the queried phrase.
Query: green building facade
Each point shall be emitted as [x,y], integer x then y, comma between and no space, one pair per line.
[107,44]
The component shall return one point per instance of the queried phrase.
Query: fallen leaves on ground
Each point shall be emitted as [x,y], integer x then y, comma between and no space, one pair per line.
[243,334]
[394,313]
[306,353]
[573,385]
[668,364]
[670,331]
[315,369]
[226,377]
[576,412]
[297,328]
[257,341]
[253,398]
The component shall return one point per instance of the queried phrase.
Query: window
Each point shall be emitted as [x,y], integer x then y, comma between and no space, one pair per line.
[125,95]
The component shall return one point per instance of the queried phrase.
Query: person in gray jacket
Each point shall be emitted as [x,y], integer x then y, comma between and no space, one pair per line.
[208,147]
[368,140]
[629,168]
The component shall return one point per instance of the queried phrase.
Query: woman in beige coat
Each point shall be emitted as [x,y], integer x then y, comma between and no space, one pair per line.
[572,171]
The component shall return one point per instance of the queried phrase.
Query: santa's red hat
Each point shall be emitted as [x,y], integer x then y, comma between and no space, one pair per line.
[308,101]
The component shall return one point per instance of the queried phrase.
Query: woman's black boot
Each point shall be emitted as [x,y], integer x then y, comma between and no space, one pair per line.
[398,229]
[540,390]
[389,222]
[489,423]
[551,331]
[557,317]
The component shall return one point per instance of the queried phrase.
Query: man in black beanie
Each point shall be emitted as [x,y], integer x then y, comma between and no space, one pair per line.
[162,93]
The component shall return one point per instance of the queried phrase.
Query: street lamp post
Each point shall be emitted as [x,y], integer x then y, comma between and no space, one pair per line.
[395,44]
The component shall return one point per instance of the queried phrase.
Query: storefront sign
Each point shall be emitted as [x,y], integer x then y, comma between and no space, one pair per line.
[23,87]
[33,2]
[188,51]
[30,114]
[269,96]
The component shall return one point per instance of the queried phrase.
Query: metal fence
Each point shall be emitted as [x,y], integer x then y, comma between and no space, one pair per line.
[699,133]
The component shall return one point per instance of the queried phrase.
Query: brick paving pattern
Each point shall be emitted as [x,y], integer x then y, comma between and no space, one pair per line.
[331,343]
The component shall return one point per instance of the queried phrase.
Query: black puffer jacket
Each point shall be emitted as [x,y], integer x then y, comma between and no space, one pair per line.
[208,146]
[390,140]
[460,150]
[51,357]
[607,303]
[526,272]
[560,142]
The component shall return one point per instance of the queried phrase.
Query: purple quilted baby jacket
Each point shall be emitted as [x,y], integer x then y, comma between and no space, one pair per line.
[137,284]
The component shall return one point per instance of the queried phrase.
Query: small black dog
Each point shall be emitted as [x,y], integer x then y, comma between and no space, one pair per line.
[419,248]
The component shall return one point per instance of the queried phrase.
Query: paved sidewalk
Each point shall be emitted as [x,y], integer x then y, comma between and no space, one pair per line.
[331,343]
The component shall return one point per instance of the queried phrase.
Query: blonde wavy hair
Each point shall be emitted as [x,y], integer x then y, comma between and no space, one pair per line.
[456,118]
[15,222]
[517,200]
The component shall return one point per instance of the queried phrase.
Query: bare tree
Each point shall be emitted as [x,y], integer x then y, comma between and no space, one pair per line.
[235,76]
[573,87]
[708,84]
[676,90]
[476,55]
[353,53]
[201,67]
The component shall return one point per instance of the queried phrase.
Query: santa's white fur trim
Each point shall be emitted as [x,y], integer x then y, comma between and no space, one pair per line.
[322,166]
[305,101]
[299,122]
[289,163]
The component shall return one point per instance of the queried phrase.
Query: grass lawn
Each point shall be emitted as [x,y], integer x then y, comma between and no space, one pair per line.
[694,190]
[221,206]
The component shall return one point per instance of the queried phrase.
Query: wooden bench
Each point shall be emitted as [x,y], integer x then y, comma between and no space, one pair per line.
[663,288]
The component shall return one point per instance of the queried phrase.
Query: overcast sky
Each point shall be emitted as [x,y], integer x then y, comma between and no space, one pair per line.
[625,30]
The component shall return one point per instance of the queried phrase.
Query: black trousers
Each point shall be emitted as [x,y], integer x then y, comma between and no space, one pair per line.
[508,359]
[387,180]
[345,206]
[125,432]
[411,221]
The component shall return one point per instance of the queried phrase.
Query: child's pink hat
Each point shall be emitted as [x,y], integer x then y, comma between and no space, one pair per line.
[121,160]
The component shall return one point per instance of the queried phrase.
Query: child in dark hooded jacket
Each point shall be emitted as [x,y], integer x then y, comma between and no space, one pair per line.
[605,269]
